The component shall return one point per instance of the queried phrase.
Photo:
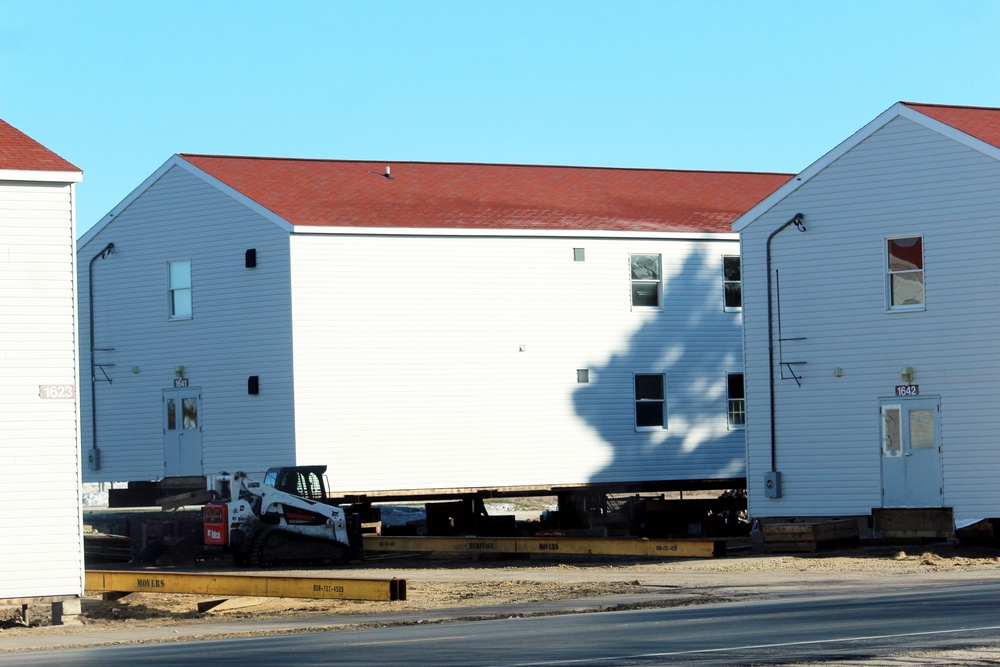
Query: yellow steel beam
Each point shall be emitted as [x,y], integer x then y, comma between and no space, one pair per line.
[246,584]
[551,545]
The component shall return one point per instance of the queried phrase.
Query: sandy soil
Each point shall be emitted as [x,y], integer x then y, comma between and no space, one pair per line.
[434,583]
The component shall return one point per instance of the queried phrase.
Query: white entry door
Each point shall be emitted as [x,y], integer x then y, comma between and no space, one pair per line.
[181,432]
[911,452]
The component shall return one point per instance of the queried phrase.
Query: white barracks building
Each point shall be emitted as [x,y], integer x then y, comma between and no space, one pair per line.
[418,326]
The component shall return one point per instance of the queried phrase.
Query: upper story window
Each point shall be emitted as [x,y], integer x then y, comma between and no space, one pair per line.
[650,401]
[737,401]
[905,272]
[647,285]
[732,283]
[179,289]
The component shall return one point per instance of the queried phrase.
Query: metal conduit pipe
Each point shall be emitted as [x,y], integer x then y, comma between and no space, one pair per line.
[797,221]
[95,460]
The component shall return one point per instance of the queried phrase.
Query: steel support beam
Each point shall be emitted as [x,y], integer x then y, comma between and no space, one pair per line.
[552,545]
[252,585]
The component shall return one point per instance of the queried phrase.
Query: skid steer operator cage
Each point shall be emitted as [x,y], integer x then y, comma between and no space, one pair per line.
[304,481]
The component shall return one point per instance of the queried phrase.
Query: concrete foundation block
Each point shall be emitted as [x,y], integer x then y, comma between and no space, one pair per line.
[67,612]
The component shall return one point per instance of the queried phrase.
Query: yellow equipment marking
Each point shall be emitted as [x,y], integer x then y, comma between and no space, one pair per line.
[551,545]
[246,584]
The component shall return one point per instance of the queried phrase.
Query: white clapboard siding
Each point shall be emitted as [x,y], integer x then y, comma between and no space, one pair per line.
[41,546]
[451,362]
[903,179]
[240,327]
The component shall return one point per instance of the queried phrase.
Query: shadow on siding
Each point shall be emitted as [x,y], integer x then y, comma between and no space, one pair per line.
[694,343]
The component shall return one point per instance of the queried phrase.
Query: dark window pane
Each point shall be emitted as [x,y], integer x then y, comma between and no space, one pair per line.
[649,387]
[649,414]
[906,254]
[645,294]
[171,415]
[734,295]
[736,385]
[731,268]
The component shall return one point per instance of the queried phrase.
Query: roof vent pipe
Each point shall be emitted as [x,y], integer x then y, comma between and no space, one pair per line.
[797,221]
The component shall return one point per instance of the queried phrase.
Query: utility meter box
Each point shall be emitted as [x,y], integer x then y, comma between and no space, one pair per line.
[772,484]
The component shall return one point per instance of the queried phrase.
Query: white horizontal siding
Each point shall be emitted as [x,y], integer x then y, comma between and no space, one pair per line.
[902,180]
[41,548]
[240,327]
[410,374]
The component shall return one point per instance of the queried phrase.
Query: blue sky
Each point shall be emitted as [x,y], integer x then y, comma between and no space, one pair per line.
[117,87]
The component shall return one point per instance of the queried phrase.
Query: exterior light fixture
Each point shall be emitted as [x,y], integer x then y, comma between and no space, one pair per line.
[906,374]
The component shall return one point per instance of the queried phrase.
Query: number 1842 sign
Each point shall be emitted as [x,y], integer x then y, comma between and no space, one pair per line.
[907,390]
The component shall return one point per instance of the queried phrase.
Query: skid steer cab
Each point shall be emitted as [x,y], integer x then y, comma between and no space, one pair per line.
[283,520]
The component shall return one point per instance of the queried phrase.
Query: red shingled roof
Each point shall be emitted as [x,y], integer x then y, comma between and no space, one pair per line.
[21,152]
[983,123]
[341,193]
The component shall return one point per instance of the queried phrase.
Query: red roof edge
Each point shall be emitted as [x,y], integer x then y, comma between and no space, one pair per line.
[20,152]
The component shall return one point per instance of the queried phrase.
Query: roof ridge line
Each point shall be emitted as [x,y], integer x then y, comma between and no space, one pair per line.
[480,164]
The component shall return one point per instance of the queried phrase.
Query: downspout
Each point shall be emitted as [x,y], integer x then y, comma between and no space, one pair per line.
[94,458]
[773,482]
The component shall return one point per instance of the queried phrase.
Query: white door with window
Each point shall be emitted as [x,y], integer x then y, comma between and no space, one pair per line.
[182,432]
[911,452]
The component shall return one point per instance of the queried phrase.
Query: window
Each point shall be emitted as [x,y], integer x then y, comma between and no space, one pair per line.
[650,402]
[179,289]
[645,281]
[905,272]
[737,401]
[732,283]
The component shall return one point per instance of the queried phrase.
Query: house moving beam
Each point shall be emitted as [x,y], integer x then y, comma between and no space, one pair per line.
[551,545]
[123,581]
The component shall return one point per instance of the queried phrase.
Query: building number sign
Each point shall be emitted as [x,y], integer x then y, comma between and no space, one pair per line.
[67,391]
[907,390]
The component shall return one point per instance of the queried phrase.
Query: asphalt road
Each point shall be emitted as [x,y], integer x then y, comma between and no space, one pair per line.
[774,631]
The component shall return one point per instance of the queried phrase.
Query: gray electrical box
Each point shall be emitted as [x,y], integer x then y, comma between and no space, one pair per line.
[772,484]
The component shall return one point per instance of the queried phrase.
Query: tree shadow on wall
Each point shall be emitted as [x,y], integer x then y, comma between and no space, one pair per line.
[694,343]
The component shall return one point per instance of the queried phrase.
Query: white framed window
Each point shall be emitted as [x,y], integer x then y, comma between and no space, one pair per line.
[732,283]
[179,289]
[650,401]
[904,261]
[737,407]
[647,282]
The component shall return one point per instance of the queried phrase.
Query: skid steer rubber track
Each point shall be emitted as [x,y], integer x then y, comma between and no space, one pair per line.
[273,546]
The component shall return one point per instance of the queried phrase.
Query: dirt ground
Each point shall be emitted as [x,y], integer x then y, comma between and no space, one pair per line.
[466,582]
[438,582]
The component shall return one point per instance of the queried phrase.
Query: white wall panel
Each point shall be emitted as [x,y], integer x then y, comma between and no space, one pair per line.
[410,373]
[41,549]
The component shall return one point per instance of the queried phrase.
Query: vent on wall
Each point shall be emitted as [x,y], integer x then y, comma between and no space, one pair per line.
[578,255]
[251,258]
[253,385]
